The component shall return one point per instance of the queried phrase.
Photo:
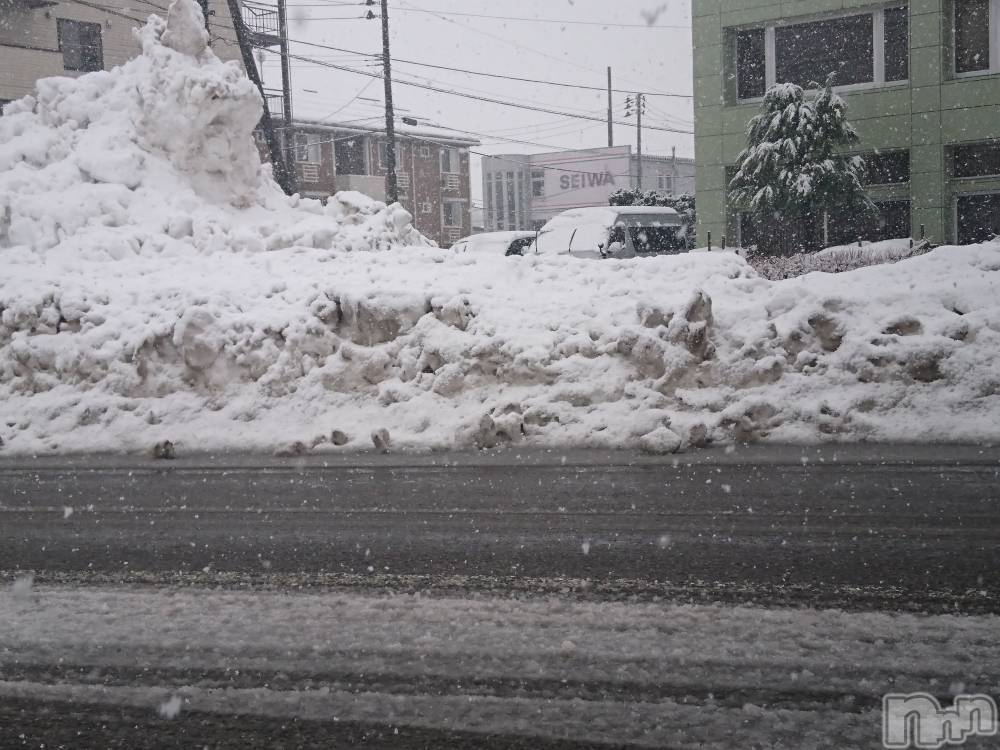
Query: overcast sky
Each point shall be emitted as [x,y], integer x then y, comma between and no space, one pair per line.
[646,42]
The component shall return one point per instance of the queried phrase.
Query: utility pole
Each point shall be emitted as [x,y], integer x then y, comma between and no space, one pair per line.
[286,90]
[611,126]
[206,11]
[640,104]
[282,174]
[391,184]
[640,108]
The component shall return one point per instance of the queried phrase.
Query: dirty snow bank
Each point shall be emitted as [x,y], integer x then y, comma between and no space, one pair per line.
[257,351]
[137,305]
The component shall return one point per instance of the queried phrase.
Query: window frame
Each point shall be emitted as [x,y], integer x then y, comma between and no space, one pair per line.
[883,151]
[954,206]
[994,67]
[950,161]
[878,49]
[444,213]
[382,148]
[454,160]
[62,23]
[309,141]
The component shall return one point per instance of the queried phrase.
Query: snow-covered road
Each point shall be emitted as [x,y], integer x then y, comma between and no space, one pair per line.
[642,674]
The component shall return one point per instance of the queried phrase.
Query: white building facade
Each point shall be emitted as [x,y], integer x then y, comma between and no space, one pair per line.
[523,191]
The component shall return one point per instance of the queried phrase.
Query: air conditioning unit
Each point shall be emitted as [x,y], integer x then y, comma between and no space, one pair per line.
[403,180]
[450,182]
[310,172]
[426,207]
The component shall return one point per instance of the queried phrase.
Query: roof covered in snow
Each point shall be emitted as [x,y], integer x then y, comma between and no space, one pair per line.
[418,132]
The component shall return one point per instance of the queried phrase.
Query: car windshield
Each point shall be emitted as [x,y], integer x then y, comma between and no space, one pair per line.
[294,455]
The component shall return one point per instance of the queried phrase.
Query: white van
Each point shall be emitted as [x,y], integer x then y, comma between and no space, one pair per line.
[612,232]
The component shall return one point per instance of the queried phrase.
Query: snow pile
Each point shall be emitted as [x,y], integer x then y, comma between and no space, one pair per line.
[156,158]
[319,349]
[835,259]
[138,309]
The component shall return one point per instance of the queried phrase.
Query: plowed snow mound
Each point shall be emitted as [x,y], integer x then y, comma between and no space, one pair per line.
[156,158]
[136,307]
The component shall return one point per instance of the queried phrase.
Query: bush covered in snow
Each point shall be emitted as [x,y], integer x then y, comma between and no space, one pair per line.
[834,259]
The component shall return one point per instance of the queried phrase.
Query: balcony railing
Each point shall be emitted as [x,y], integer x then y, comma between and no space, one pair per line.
[275,104]
[261,22]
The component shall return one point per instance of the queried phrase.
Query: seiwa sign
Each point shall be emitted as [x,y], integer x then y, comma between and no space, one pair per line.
[574,179]
[586,180]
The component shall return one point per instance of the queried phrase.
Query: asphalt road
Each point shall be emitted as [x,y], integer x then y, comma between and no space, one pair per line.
[862,527]
[503,600]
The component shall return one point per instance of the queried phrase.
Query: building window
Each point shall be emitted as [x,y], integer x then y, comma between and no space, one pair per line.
[844,227]
[449,161]
[425,152]
[383,154]
[751,74]
[665,183]
[451,213]
[887,167]
[3,103]
[808,52]
[307,148]
[426,207]
[972,25]
[976,159]
[893,220]
[537,183]
[896,43]
[869,48]
[511,202]
[498,192]
[80,44]
[977,217]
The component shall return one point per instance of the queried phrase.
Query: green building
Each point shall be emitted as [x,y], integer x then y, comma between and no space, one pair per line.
[922,83]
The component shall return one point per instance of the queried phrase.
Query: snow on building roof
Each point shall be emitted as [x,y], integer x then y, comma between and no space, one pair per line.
[430,133]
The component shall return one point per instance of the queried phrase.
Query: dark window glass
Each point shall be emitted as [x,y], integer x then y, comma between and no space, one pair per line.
[846,226]
[498,202]
[80,44]
[893,221]
[750,78]
[897,44]
[349,155]
[2,103]
[978,218]
[976,160]
[537,183]
[972,35]
[808,52]
[887,167]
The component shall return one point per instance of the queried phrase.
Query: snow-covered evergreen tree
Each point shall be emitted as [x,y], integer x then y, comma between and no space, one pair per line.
[794,168]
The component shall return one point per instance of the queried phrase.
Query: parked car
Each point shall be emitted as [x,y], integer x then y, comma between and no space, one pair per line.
[612,232]
[495,243]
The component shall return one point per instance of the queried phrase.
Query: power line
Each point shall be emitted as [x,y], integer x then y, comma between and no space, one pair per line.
[466,27]
[479,72]
[412,9]
[487,99]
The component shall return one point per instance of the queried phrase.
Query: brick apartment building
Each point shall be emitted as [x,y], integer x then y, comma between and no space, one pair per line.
[42,38]
[433,170]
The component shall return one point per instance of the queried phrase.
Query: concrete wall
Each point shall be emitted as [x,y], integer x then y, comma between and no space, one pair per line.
[29,43]
[925,114]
